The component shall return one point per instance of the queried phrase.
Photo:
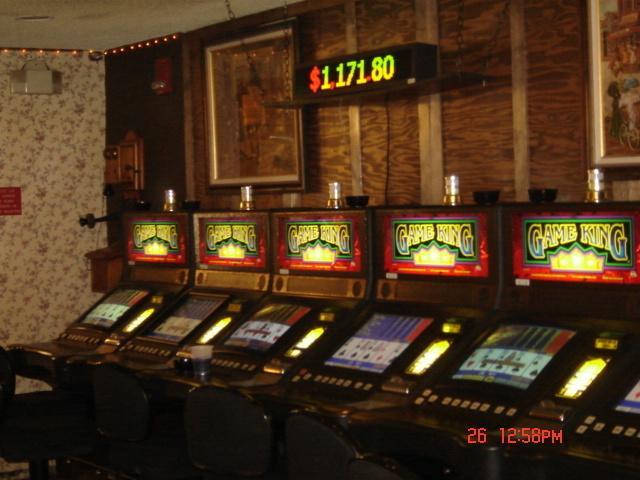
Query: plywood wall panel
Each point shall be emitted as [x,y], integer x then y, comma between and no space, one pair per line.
[382,23]
[557,96]
[477,122]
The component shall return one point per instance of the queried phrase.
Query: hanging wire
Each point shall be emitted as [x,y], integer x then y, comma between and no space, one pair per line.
[460,35]
[493,41]
[287,54]
[253,71]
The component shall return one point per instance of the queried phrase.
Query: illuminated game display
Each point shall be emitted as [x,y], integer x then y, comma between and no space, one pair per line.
[264,328]
[450,245]
[157,240]
[514,355]
[366,71]
[114,307]
[380,341]
[631,402]
[588,248]
[583,377]
[185,318]
[231,243]
[329,244]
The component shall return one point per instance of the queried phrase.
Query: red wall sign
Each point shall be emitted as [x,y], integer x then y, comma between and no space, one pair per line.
[10,201]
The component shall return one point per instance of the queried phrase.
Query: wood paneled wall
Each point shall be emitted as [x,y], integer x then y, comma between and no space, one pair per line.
[477,124]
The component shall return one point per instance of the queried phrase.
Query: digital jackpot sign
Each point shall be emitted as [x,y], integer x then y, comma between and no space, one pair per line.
[157,240]
[325,244]
[233,242]
[576,248]
[447,245]
[366,71]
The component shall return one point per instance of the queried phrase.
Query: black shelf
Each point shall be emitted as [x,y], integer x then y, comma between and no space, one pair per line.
[441,83]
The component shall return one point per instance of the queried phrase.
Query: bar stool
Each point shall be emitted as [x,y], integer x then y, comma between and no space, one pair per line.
[145,436]
[230,435]
[39,426]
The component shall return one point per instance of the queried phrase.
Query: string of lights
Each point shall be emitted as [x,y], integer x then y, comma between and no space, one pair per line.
[153,42]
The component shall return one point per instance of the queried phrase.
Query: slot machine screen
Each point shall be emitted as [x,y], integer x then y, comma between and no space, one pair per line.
[185,318]
[329,243]
[631,402]
[237,241]
[266,326]
[514,355]
[157,240]
[381,340]
[453,245]
[114,307]
[576,248]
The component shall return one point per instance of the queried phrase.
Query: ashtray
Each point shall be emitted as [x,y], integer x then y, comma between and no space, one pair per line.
[486,197]
[543,195]
[357,201]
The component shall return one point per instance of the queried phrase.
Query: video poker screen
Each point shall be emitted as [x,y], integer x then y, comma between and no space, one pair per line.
[631,402]
[185,318]
[514,355]
[266,326]
[379,342]
[112,308]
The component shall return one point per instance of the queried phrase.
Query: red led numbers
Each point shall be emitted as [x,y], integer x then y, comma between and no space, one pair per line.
[514,436]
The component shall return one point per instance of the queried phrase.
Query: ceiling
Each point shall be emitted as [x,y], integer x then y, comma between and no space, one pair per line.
[101,24]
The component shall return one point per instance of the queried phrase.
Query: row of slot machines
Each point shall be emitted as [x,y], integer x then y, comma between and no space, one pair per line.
[491,339]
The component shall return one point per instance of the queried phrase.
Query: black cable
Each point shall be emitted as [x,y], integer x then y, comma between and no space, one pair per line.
[388,169]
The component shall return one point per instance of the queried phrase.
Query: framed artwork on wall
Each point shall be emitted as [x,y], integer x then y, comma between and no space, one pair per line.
[250,143]
[614,27]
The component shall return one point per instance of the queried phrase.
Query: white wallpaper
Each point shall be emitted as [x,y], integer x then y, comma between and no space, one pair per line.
[51,147]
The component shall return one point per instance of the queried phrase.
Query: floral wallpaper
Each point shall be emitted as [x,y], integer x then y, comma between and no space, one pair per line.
[51,147]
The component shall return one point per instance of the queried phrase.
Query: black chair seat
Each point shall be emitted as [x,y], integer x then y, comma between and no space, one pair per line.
[46,424]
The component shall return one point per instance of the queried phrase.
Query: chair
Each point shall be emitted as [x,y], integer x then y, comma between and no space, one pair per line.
[145,436]
[378,468]
[38,426]
[229,434]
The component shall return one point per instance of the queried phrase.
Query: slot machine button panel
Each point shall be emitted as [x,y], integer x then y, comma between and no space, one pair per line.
[617,430]
[358,385]
[589,420]
[581,429]
[307,376]
[499,410]
[485,407]
[456,402]
[630,432]
[296,379]
[339,382]
[347,383]
[598,427]
[511,412]
[368,387]
[446,400]
[475,405]
[433,398]
[332,380]
[419,401]
[465,404]
[426,392]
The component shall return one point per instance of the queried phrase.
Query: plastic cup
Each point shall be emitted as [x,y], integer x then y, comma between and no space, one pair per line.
[201,359]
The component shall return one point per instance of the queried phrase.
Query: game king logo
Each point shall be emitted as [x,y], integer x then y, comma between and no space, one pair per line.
[155,238]
[324,245]
[156,241]
[595,248]
[428,246]
[231,240]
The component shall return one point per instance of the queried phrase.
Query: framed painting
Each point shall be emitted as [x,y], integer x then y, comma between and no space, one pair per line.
[249,142]
[614,27]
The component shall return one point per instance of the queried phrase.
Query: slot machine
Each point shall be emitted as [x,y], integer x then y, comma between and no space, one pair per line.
[436,273]
[320,281]
[232,275]
[586,256]
[515,390]
[156,273]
